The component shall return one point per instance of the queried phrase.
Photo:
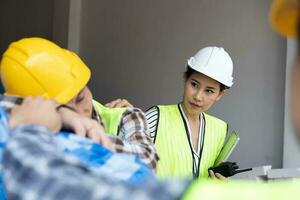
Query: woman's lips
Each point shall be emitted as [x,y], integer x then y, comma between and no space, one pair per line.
[195,105]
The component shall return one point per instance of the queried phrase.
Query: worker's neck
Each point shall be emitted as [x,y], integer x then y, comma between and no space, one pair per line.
[191,116]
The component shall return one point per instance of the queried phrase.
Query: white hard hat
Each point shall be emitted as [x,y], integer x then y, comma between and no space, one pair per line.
[215,63]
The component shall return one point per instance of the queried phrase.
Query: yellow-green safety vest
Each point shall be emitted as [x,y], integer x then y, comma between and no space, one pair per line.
[111,117]
[243,190]
[175,149]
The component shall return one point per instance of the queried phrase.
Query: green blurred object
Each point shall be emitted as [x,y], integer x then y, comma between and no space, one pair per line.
[227,148]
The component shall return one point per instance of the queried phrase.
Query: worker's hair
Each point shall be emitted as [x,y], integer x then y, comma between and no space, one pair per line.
[189,71]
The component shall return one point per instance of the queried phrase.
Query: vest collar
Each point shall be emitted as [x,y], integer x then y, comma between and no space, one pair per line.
[196,155]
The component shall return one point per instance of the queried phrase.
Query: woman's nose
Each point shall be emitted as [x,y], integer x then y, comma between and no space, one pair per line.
[199,95]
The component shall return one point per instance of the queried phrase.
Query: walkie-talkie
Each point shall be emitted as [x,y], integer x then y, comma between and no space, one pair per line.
[228,169]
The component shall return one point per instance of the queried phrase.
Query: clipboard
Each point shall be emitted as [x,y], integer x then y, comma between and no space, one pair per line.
[227,148]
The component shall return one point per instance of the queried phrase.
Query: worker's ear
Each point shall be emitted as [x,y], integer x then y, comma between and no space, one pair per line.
[221,94]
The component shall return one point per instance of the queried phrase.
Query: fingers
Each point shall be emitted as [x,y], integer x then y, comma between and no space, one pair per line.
[82,126]
[216,176]
[98,135]
[212,174]
[106,142]
[85,127]
[94,135]
[220,176]
[123,103]
[118,103]
[78,128]
[113,103]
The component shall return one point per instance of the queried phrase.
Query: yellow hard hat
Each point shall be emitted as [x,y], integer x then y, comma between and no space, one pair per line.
[36,66]
[284,16]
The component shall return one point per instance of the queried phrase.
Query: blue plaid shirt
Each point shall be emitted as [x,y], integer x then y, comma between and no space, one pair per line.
[35,168]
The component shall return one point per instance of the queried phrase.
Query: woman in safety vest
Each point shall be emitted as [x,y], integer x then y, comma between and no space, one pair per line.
[187,139]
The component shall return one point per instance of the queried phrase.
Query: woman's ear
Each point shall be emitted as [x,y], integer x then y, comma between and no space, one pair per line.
[221,94]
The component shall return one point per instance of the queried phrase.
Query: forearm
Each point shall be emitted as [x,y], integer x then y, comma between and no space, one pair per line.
[135,137]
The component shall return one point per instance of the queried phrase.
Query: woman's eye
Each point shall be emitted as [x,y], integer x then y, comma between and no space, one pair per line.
[210,91]
[194,85]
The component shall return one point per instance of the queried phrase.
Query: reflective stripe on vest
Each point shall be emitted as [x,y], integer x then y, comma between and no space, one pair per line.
[175,150]
[111,117]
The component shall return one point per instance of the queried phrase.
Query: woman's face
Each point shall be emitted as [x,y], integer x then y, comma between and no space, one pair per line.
[82,102]
[200,93]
